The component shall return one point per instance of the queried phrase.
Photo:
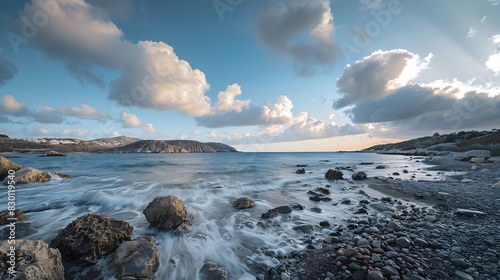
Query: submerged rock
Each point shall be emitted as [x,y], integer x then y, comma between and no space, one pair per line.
[333,174]
[380,167]
[360,175]
[211,271]
[54,154]
[34,260]
[21,230]
[91,237]
[136,259]
[270,214]
[6,165]
[300,171]
[18,213]
[165,212]
[243,203]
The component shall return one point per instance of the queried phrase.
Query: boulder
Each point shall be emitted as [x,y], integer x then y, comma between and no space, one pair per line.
[91,237]
[360,175]
[21,230]
[18,213]
[136,259]
[34,261]
[54,154]
[6,165]
[27,175]
[284,209]
[467,156]
[243,203]
[64,175]
[270,214]
[300,171]
[165,212]
[211,271]
[380,167]
[333,174]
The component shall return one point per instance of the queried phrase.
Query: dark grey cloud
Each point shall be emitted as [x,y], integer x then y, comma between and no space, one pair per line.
[7,69]
[279,26]
[416,107]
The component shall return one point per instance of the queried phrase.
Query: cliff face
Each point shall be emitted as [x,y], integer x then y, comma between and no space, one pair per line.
[172,146]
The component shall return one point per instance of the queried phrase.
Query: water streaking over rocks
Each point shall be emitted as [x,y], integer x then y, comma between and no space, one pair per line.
[316,228]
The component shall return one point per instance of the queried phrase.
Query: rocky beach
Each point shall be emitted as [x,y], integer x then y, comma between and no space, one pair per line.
[424,217]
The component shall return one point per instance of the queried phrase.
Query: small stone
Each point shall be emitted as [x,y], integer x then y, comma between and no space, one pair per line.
[403,242]
[463,275]
[460,263]
[375,275]
[350,251]
[395,174]
[285,276]
[380,167]
[355,266]
[395,226]
[390,271]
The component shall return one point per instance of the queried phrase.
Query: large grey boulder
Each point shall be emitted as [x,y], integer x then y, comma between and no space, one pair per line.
[27,175]
[34,261]
[6,165]
[165,212]
[360,175]
[91,237]
[136,259]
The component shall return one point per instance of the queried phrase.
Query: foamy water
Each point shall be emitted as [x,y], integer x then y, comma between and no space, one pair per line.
[122,185]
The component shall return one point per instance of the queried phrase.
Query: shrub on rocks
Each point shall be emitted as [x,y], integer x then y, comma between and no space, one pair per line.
[136,259]
[165,212]
[91,237]
[35,260]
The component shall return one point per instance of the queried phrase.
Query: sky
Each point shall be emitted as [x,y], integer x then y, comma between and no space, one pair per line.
[260,75]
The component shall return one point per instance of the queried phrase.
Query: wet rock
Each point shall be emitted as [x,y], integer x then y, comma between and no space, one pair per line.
[464,276]
[470,213]
[403,242]
[91,237]
[333,174]
[165,212]
[136,259]
[390,271]
[324,224]
[297,206]
[283,209]
[346,201]
[380,167]
[6,165]
[64,175]
[326,199]
[366,163]
[301,165]
[360,175]
[21,230]
[270,214]
[34,260]
[243,203]
[300,171]
[460,263]
[315,198]
[54,154]
[27,175]
[405,171]
[324,191]
[395,173]
[316,209]
[18,213]
[304,228]
[211,271]
[477,160]
[185,226]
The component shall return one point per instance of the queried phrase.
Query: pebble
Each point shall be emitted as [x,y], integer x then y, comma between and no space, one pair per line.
[390,271]
[395,226]
[463,275]
[403,242]
[375,275]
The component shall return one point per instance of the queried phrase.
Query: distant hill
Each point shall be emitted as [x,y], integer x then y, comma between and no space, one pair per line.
[121,144]
[171,146]
[454,142]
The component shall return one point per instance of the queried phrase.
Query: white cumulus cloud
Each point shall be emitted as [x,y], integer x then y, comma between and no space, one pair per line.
[83,112]
[227,100]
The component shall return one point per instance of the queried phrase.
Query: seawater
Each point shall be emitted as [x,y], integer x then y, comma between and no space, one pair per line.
[122,185]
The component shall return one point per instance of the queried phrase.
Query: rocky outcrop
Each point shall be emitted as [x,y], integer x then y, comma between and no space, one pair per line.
[6,165]
[165,212]
[27,175]
[360,175]
[243,203]
[136,259]
[18,213]
[91,237]
[172,146]
[467,156]
[211,271]
[333,174]
[34,261]
[198,147]
[54,154]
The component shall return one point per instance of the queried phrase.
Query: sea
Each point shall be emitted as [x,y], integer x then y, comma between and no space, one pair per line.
[122,185]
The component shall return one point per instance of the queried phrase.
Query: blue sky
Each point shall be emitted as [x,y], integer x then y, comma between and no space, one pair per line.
[260,75]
